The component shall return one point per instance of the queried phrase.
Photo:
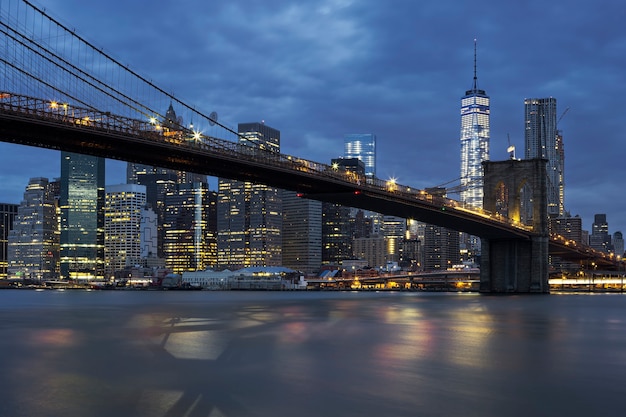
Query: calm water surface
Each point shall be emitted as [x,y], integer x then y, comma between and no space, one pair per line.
[127,353]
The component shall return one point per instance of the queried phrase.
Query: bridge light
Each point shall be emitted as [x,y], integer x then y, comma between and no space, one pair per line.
[153,120]
[300,195]
[357,192]
[54,105]
[335,166]
[196,135]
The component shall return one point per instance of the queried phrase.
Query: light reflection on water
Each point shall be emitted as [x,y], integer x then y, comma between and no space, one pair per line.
[309,354]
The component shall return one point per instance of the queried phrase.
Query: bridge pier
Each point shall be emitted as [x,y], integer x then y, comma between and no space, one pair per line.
[516,265]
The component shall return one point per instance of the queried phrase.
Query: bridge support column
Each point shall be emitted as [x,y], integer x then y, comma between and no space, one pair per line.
[516,265]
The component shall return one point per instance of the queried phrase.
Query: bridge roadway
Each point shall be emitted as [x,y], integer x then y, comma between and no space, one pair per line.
[43,123]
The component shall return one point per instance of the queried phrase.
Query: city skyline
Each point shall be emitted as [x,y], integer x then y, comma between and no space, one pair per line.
[398,72]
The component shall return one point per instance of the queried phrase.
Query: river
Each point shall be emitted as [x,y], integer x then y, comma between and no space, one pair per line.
[230,354]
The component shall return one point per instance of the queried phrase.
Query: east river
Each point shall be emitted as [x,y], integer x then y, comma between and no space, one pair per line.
[170,353]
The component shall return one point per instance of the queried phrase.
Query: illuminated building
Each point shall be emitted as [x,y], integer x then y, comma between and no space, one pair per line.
[34,240]
[394,229]
[82,217]
[372,249]
[249,216]
[475,133]
[302,233]
[540,141]
[339,227]
[568,227]
[7,216]
[363,147]
[123,207]
[160,181]
[190,243]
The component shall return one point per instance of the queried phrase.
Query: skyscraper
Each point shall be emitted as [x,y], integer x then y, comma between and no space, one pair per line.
[600,239]
[475,133]
[249,216]
[123,207]
[82,216]
[34,240]
[190,244]
[7,215]
[540,141]
[302,233]
[363,147]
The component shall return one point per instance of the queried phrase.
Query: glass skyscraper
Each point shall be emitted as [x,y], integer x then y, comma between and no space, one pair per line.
[475,133]
[540,141]
[82,216]
[363,147]
[249,216]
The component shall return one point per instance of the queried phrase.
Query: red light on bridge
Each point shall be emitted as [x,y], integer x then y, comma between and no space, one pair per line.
[300,195]
[357,192]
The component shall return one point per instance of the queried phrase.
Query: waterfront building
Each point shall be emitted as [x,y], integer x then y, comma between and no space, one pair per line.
[123,207]
[363,147]
[33,251]
[371,249]
[302,233]
[249,216]
[190,244]
[394,230]
[7,216]
[148,235]
[540,141]
[600,239]
[82,216]
[475,135]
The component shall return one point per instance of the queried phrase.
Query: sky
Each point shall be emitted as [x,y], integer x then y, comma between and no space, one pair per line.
[317,70]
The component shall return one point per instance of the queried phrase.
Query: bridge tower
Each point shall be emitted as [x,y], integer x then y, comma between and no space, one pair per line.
[518,190]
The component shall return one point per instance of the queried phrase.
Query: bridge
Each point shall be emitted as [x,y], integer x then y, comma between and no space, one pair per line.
[60,92]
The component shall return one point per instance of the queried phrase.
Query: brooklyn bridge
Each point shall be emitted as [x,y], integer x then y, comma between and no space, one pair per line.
[60,92]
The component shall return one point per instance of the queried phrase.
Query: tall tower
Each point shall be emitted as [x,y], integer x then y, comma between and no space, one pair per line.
[82,216]
[540,141]
[124,204]
[363,147]
[34,240]
[302,232]
[249,216]
[474,141]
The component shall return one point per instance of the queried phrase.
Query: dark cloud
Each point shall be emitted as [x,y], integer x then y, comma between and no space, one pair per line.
[319,70]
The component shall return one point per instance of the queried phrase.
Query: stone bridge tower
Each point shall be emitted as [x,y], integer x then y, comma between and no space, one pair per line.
[516,189]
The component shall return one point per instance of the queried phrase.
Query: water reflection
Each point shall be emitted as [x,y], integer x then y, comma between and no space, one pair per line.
[258,354]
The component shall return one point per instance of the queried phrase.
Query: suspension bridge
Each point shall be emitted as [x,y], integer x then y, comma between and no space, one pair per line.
[58,91]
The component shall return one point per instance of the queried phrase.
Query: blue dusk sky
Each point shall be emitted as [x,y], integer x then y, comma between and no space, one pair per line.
[317,70]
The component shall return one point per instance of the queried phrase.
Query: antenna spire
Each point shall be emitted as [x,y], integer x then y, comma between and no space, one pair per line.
[475,77]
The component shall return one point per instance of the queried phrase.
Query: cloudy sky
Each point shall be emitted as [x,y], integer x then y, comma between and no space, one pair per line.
[317,70]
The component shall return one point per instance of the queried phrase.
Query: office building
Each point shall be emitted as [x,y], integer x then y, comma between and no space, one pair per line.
[34,240]
[540,141]
[190,243]
[82,216]
[394,230]
[441,249]
[600,239]
[302,233]
[249,216]
[475,132]
[7,216]
[161,181]
[568,227]
[363,147]
[618,245]
[123,207]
